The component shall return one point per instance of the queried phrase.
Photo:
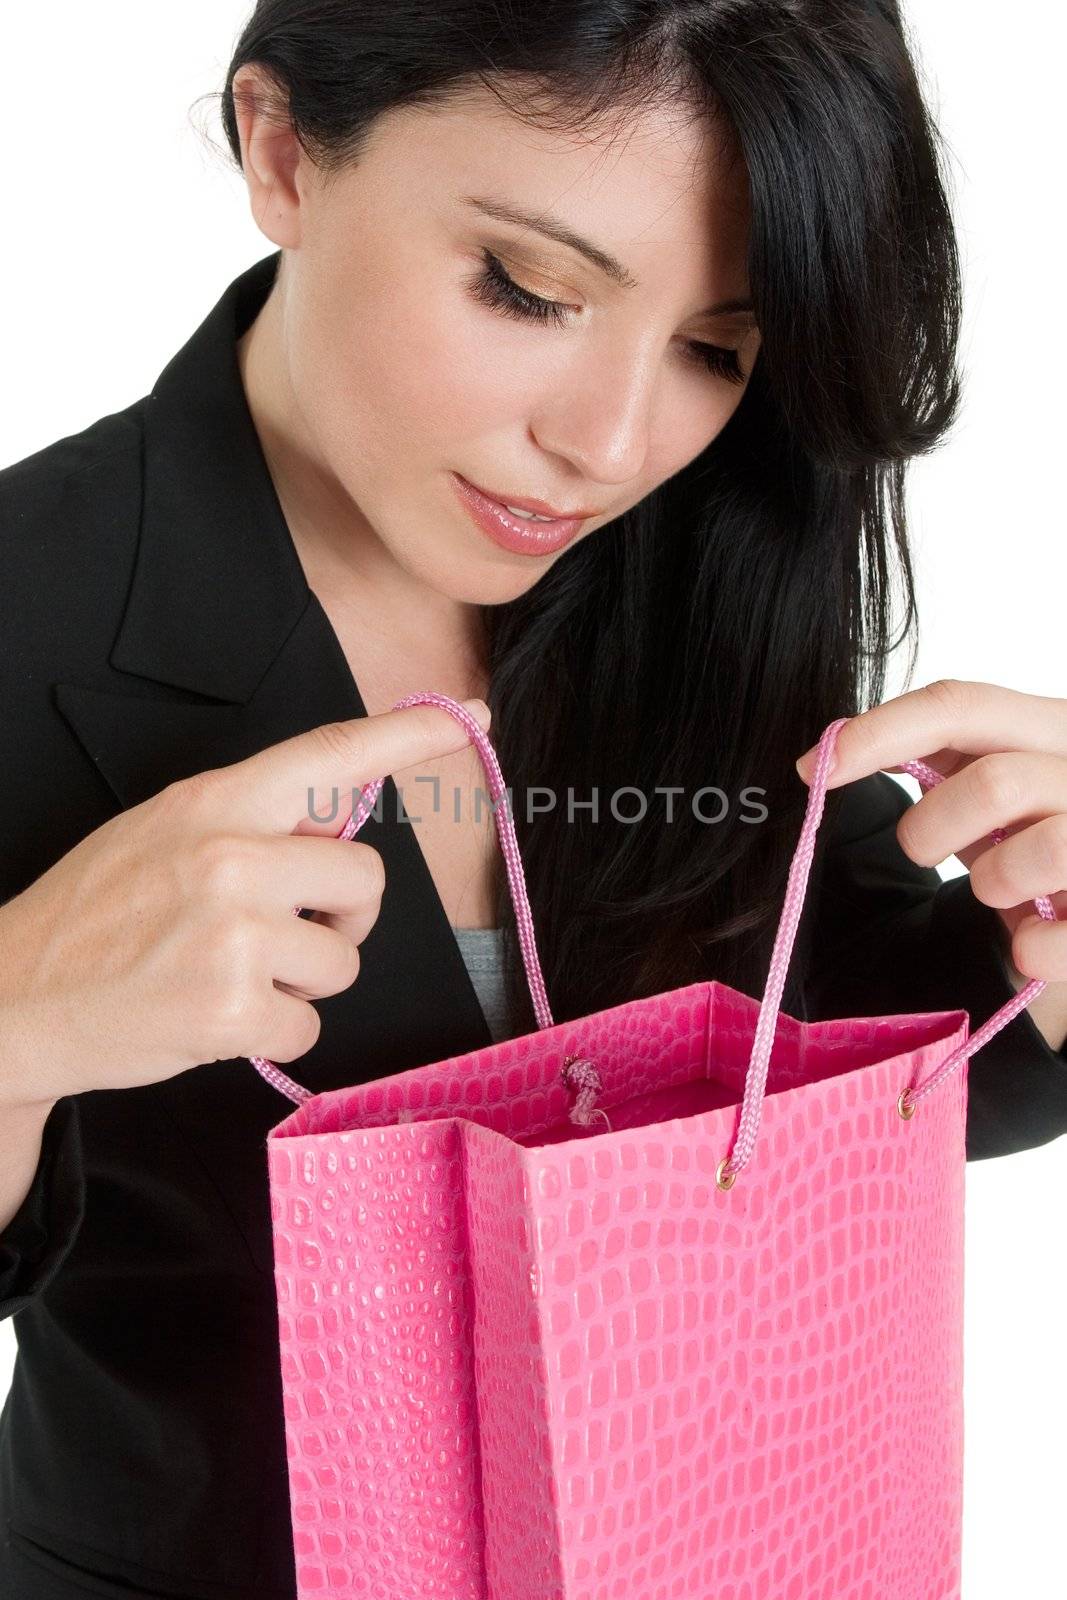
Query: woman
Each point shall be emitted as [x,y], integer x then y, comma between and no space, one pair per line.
[683,271]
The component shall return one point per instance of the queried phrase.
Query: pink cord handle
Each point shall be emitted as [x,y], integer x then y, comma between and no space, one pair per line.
[767,1022]
[516,879]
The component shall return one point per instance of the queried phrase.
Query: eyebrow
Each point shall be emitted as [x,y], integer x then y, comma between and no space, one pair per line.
[551,227]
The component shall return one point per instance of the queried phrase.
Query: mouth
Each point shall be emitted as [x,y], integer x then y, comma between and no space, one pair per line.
[523,526]
[539,507]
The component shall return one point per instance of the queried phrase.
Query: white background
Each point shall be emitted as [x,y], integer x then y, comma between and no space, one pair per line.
[122,227]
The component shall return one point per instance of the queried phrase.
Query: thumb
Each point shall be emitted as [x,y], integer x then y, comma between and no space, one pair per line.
[274,790]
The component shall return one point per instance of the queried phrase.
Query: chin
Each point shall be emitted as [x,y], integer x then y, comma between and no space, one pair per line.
[466,580]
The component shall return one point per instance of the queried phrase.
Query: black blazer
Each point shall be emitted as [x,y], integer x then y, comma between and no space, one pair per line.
[156,622]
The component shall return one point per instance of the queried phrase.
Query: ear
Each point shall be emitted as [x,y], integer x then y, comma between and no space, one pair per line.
[271,154]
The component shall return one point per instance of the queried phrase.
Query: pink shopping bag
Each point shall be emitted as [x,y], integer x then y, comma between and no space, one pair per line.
[664,1303]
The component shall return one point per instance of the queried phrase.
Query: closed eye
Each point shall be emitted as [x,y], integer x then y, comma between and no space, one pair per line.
[493,286]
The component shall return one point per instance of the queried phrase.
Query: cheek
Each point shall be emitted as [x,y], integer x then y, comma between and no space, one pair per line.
[692,419]
[404,365]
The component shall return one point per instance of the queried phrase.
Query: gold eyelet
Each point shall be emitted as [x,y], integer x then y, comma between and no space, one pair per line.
[728,1180]
[905,1106]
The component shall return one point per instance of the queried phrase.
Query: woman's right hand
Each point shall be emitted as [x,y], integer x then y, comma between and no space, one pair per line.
[166,938]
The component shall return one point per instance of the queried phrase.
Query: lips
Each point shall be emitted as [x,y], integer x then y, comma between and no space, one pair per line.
[541,507]
[511,532]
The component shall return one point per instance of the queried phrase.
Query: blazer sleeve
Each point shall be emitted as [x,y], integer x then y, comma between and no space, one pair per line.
[888,937]
[39,1236]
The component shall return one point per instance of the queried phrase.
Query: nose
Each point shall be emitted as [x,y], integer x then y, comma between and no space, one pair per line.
[600,418]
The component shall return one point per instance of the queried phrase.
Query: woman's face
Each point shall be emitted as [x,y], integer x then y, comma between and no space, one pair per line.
[403,363]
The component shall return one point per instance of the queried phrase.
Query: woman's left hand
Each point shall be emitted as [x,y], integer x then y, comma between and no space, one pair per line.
[1003,755]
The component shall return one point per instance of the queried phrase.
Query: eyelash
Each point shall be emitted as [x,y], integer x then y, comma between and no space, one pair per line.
[493,287]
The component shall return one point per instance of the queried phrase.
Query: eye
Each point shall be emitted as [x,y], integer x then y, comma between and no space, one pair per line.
[718,359]
[494,287]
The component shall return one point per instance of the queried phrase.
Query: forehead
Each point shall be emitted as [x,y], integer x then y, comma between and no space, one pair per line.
[650,175]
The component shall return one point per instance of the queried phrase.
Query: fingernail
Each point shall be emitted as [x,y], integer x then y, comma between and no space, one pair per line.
[806,765]
[478,710]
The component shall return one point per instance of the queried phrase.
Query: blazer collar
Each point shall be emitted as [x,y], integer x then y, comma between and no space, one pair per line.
[224,650]
[218,584]
[218,607]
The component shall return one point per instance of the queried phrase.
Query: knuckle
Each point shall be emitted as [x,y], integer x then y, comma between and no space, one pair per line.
[189,794]
[312,1027]
[304,1032]
[995,783]
[339,962]
[1027,950]
[909,835]
[988,881]
[370,870]
[1052,844]
[341,742]
[951,697]
[348,961]
[221,863]
[301,1030]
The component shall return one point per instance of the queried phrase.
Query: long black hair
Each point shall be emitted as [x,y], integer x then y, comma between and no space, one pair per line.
[707,636]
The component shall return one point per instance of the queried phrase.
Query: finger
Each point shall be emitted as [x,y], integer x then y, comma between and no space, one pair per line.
[311,959]
[1039,949]
[273,790]
[355,925]
[1011,916]
[992,792]
[973,718]
[291,1027]
[944,761]
[1028,864]
[323,874]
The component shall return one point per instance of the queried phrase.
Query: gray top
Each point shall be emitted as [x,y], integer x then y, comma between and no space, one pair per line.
[482,950]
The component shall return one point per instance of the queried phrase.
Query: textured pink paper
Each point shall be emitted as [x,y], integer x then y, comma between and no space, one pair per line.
[579,1369]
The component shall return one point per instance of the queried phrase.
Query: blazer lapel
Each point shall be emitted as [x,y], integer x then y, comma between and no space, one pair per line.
[223,651]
